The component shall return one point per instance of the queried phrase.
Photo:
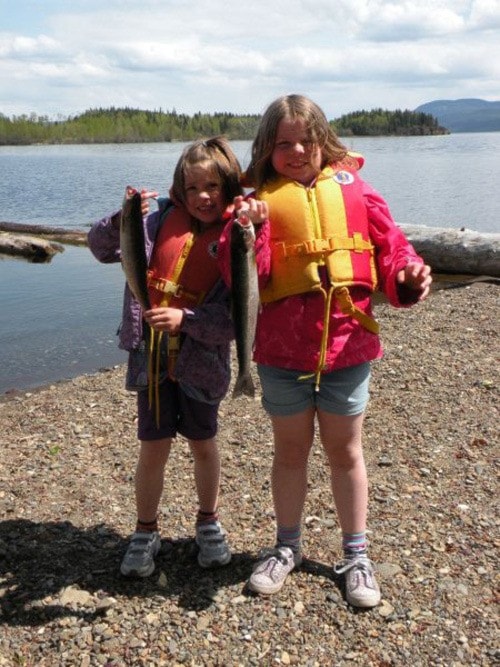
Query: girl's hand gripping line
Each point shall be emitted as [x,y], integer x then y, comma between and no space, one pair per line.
[250,211]
[165,319]
[146,195]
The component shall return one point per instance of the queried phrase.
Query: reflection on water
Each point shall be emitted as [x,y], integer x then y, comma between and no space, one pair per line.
[58,319]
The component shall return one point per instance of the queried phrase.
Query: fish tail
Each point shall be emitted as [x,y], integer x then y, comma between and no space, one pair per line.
[244,386]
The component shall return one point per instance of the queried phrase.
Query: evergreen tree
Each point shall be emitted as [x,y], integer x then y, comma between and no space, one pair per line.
[126,125]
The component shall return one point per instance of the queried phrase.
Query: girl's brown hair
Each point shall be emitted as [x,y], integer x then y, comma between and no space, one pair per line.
[319,131]
[216,153]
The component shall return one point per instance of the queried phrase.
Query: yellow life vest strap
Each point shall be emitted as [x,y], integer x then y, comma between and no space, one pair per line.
[348,308]
[324,338]
[355,243]
[173,345]
[171,287]
[174,289]
[154,367]
[154,372]
[173,340]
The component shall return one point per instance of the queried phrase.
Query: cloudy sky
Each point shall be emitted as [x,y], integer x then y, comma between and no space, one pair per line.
[62,57]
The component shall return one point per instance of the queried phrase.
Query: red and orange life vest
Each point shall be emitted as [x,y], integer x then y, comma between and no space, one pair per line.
[326,224]
[182,271]
[323,225]
[183,266]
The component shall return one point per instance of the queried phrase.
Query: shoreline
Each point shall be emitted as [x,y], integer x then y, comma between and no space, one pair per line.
[441,282]
[431,447]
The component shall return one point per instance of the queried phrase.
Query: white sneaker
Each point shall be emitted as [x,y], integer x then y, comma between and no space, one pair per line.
[361,588]
[139,560]
[271,572]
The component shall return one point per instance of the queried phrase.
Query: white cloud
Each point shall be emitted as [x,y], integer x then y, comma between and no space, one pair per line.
[21,47]
[409,20]
[485,14]
[216,55]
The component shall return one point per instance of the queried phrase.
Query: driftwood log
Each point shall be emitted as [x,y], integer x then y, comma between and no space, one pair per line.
[37,243]
[58,234]
[29,247]
[450,251]
[456,250]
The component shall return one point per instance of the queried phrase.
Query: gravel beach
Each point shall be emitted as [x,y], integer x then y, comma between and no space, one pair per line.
[431,442]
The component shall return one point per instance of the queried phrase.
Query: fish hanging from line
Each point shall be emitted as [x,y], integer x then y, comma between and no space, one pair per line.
[135,267]
[132,247]
[245,300]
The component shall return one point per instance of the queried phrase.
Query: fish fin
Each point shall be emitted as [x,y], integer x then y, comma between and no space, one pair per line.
[244,386]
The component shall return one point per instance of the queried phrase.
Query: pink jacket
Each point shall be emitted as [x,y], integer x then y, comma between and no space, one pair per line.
[289,330]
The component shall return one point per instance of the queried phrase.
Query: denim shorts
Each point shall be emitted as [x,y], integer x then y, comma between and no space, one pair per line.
[179,414]
[342,392]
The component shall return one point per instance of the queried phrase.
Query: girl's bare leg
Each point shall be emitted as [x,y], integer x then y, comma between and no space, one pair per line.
[149,477]
[145,543]
[341,439]
[293,438]
[206,473]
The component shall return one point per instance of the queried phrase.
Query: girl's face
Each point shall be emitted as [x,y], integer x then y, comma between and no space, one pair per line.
[294,155]
[203,194]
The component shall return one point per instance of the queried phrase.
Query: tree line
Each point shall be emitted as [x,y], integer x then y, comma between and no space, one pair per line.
[126,125]
[380,122]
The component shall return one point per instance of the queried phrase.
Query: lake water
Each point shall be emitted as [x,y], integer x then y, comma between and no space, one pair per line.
[59,320]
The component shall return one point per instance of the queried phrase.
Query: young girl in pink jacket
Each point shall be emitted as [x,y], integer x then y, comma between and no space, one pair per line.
[325,241]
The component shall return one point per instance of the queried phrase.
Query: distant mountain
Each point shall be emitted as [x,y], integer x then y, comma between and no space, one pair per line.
[466,115]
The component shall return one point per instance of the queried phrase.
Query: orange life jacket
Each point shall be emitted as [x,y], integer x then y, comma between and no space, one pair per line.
[323,225]
[183,266]
[326,224]
[182,271]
